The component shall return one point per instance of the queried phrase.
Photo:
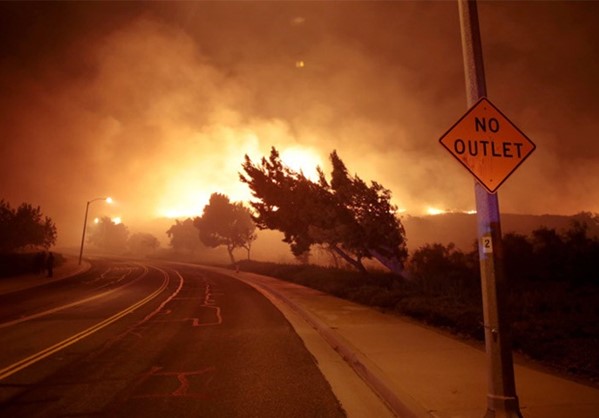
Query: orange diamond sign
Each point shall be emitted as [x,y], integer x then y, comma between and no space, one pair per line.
[487,144]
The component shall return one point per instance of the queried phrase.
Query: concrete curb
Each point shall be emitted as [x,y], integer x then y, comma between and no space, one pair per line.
[401,404]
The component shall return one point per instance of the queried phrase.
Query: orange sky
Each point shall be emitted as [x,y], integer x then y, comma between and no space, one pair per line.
[155,104]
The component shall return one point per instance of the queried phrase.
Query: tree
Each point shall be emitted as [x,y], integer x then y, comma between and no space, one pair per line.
[351,218]
[143,243]
[109,236]
[374,229]
[25,226]
[184,236]
[226,223]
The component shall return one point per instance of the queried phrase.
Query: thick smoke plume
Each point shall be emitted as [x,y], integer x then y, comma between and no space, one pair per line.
[155,104]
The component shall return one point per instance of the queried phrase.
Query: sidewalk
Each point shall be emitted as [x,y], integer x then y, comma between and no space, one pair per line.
[69,268]
[421,372]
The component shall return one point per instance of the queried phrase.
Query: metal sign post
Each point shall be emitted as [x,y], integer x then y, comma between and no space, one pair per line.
[501,399]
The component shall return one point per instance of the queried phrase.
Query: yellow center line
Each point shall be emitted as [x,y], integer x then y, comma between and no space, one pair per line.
[15,367]
[60,308]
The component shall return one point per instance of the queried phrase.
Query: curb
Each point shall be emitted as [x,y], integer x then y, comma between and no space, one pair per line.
[34,282]
[401,404]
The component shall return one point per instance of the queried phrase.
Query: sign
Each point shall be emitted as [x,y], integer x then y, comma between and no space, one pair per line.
[487,144]
[487,244]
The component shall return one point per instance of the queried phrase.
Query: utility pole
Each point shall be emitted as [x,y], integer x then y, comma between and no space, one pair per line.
[502,401]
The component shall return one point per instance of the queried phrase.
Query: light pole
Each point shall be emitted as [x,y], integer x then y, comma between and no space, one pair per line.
[108,200]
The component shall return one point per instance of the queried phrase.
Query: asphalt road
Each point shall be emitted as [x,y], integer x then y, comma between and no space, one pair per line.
[154,340]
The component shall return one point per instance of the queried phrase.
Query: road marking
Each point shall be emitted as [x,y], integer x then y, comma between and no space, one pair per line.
[208,302]
[70,305]
[26,362]
[219,320]
[163,304]
[205,378]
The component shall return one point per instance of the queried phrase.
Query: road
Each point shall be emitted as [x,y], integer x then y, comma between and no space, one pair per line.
[152,339]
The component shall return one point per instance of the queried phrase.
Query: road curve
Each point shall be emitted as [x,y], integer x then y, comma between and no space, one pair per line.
[156,340]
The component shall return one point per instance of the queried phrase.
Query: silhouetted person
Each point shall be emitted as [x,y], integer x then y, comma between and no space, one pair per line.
[50,264]
[38,262]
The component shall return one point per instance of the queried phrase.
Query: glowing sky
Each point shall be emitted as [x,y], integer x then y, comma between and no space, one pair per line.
[155,104]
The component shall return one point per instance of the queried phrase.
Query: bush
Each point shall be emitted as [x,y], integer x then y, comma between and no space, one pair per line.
[554,309]
[17,264]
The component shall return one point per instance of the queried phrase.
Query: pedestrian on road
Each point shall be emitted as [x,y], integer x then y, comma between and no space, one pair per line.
[50,264]
[39,262]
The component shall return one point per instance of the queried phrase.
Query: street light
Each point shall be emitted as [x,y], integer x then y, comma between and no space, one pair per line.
[108,200]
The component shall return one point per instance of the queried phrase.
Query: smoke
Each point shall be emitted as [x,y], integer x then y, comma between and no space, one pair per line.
[158,106]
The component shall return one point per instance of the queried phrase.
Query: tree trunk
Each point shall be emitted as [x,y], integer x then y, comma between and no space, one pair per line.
[230,251]
[334,257]
[356,263]
[393,264]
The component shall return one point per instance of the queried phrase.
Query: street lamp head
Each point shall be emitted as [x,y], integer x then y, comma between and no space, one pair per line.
[107,200]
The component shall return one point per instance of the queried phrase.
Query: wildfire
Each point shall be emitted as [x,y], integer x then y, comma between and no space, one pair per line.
[430,210]
[302,159]
[434,211]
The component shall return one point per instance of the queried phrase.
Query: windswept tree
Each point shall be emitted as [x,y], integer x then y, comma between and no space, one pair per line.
[353,219]
[226,223]
[109,236]
[373,229]
[184,236]
[25,227]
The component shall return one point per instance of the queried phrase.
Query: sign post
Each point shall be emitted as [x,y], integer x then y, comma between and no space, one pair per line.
[491,148]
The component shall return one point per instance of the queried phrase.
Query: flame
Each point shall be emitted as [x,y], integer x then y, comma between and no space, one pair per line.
[434,211]
[430,210]
[302,159]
